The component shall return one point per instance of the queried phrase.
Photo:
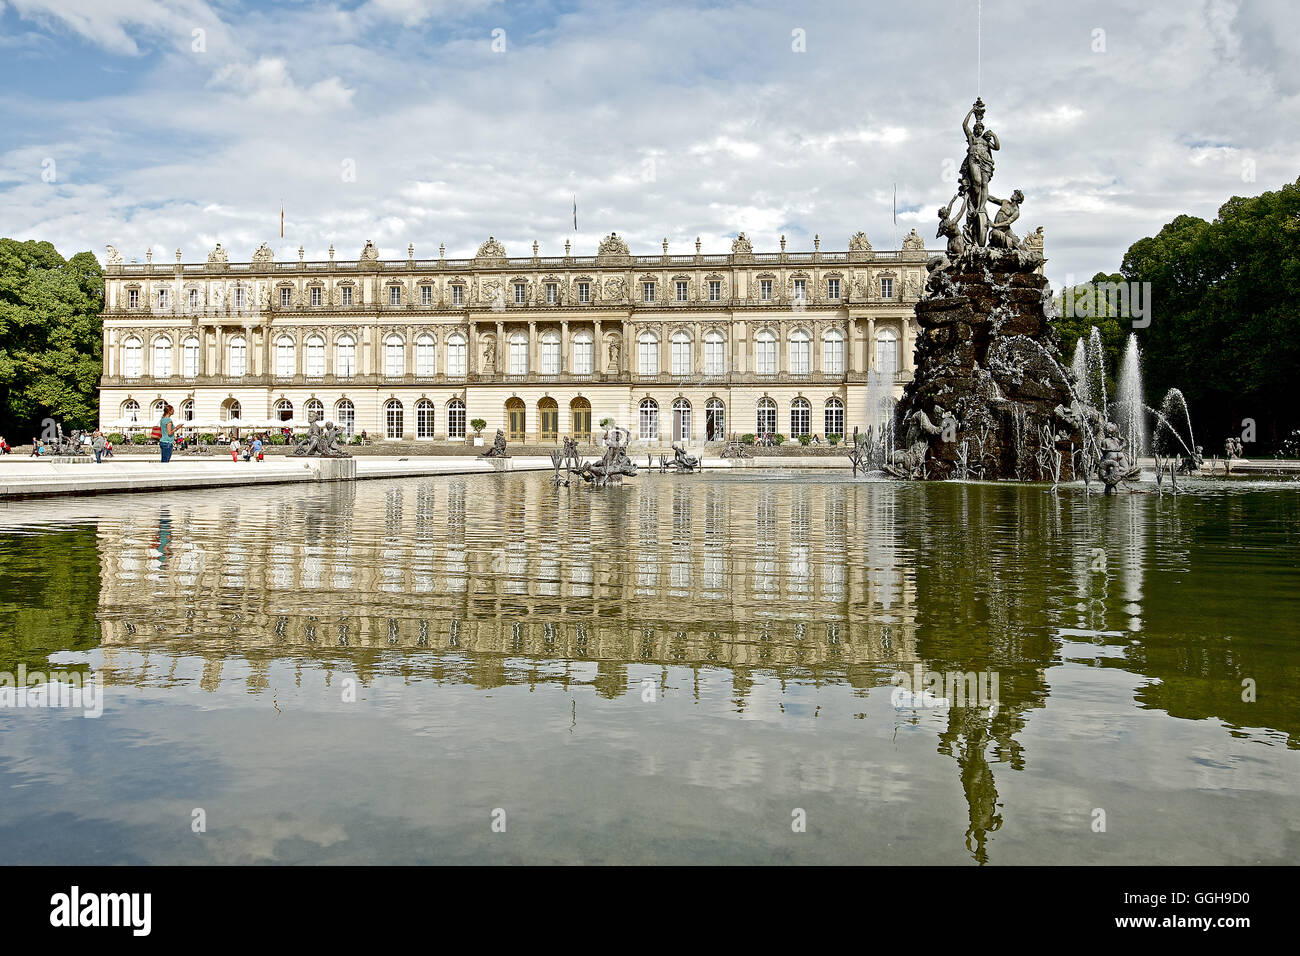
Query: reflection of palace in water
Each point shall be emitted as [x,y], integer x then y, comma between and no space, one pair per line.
[743,576]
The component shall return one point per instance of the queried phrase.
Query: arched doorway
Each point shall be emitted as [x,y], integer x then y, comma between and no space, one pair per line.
[548,419]
[516,419]
[681,420]
[580,412]
[715,420]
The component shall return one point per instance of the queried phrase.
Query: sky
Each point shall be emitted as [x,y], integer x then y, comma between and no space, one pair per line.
[170,124]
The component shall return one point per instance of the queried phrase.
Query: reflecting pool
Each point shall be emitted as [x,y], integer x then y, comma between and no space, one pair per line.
[682,669]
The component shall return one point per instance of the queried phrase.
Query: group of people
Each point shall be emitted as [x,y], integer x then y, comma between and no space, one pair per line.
[4,446]
[255,451]
[767,440]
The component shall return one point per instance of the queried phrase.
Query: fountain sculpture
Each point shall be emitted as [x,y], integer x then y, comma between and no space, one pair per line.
[990,398]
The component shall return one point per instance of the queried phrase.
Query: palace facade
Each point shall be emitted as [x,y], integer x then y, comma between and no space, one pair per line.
[674,347]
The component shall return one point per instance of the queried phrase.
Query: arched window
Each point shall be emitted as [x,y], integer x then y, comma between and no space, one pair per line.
[345,416]
[516,419]
[162,357]
[550,353]
[456,417]
[424,419]
[238,356]
[156,410]
[425,357]
[649,420]
[548,420]
[765,353]
[345,359]
[315,410]
[715,420]
[834,417]
[887,353]
[230,410]
[315,357]
[130,410]
[187,410]
[519,354]
[681,353]
[799,417]
[715,354]
[681,420]
[190,358]
[766,416]
[394,357]
[132,358]
[584,354]
[284,356]
[833,352]
[648,354]
[456,354]
[284,410]
[393,418]
[800,353]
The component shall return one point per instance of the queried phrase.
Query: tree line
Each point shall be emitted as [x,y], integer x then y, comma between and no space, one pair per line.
[51,338]
[1224,322]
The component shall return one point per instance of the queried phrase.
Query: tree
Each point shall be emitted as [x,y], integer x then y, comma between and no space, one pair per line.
[51,337]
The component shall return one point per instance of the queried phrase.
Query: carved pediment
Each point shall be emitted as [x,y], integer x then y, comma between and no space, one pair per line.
[490,249]
[612,247]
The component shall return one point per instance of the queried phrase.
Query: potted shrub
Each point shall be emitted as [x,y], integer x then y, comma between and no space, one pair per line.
[117,438]
[833,438]
[139,439]
[277,438]
[478,424]
[748,438]
[778,439]
[805,440]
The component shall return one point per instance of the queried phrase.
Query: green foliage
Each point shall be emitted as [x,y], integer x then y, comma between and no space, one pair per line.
[478,424]
[748,438]
[1089,309]
[139,439]
[833,438]
[51,338]
[1225,327]
[206,438]
[116,438]
[805,440]
[276,438]
[778,439]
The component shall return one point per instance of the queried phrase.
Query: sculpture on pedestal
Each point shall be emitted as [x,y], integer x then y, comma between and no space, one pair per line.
[498,449]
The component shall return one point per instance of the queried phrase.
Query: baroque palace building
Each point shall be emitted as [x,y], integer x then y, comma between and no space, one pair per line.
[676,348]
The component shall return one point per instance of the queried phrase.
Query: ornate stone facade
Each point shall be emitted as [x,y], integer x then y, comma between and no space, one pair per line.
[674,347]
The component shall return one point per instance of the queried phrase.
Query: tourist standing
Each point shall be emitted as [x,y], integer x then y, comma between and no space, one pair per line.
[257,448]
[167,434]
[97,446]
[234,449]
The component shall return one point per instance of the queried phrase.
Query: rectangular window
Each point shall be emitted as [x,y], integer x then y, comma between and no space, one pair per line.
[315,295]
[832,288]
[765,355]
[457,295]
[346,365]
[239,298]
[133,298]
[800,288]
[424,357]
[765,290]
[521,293]
[681,350]
[647,291]
[682,289]
[886,288]
[552,293]
[519,355]
[394,295]
[194,298]
[833,355]
[394,359]
[648,356]
[713,355]
[456,355]
[715,290]
[286,298]
[345,295]
[550,356]
[583,356]
[162,298]
[426,295]
[584,291]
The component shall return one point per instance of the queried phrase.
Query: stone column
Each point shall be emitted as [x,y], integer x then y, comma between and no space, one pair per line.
[471,354]
[565,361]
[533,346]
[851,346]
[503,354]
[598,352]
[871,344]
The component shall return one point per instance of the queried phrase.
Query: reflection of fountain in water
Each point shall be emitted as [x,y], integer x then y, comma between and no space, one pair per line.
[1129,400]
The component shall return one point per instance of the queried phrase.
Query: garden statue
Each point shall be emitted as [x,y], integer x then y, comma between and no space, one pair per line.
[498,449]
